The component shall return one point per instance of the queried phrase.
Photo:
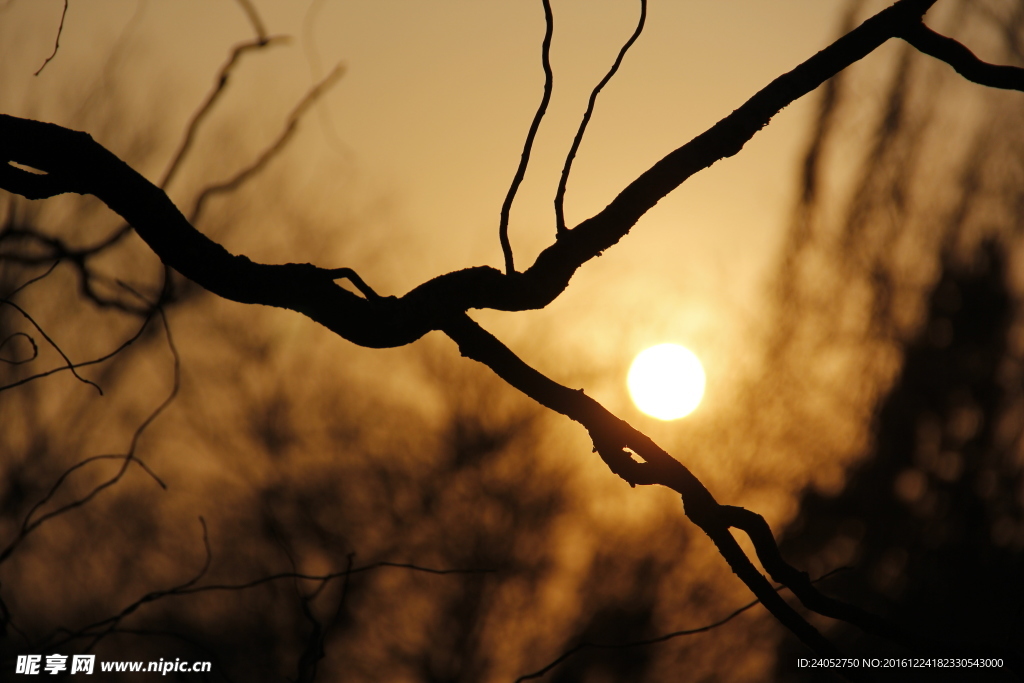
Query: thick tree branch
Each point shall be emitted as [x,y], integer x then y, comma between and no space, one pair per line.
[962,59]
[75,163]
[612,437]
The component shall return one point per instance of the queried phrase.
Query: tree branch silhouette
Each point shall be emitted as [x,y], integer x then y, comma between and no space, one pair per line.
[102,628]
[524,159]
[29,525]
[964,61]
[18,335]
[272,150]
[221,82]
[560,226]
[56,40]
[69,365]
[69,161]
[665,637]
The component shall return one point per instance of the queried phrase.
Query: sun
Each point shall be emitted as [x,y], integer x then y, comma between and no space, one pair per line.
[666,381]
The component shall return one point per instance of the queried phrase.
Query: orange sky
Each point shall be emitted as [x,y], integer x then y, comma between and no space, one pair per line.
[431,116]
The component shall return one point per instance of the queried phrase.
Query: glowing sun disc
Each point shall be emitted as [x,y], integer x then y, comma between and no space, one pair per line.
[666,381]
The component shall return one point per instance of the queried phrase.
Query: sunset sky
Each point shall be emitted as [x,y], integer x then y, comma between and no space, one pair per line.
[427,125]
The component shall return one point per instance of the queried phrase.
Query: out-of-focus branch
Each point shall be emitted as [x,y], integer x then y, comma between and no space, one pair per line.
[29,524]
[564,179]
[107,356]
[100,629]
[254,19]
[20,361]
[274,148]
[56,41]
[220,83]
[68,363]
[962,59]
[587,645]
[524,159]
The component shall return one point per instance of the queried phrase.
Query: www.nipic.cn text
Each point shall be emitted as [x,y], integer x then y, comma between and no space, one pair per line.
[30,665]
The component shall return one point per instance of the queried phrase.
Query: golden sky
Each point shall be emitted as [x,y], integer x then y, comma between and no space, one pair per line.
[429,121]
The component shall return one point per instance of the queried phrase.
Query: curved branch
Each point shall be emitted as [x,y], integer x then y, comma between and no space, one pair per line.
[524,159]
[221,83]
[760,535]
[962,59]
[56,41]
[268,154]
[73,162]
[564,179]
[68,364]
[611,437]
[22,361]
[657,639]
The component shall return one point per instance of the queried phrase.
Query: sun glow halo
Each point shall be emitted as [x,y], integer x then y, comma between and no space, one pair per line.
[666,381]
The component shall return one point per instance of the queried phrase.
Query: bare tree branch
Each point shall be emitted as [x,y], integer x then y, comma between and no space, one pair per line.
[29,525]
[76,164]
[524,159]
[560,226]
[615,441]
[72,162]
[962,59]
[113,622]
[16,335]
[69,365]
[125,344]
[56,41]
[220,83]
[274,148]
[254,19]
[104,627]
[657,639]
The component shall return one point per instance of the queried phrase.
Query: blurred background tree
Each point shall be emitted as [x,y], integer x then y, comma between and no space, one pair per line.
[899,308]
[877,421]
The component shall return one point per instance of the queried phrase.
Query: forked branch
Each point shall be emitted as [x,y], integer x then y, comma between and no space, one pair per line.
[962,59]
[67,161]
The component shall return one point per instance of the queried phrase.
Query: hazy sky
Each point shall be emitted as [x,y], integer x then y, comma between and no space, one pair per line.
[432,112]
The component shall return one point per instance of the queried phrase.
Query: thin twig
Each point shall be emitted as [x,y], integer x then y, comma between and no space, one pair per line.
[189,588]
[560,194]
[125,344]
[254,19]
[658,639]
[56,42]
[69,364]
[353,277]
[28,526]
[524,159]
[153,596]
[35,349]
[273,149]
[220,84]
[32,281]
